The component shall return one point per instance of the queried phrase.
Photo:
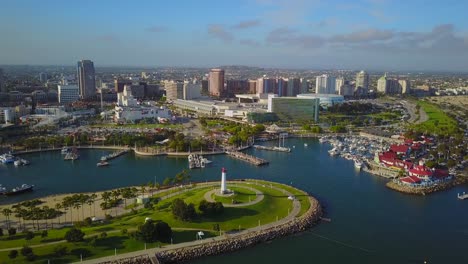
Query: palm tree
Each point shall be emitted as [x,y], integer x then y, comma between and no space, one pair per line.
[58,207]
[90,201]
[77,206]
[7,212]
[105,197]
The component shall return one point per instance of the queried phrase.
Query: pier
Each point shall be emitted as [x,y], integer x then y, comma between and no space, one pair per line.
[249,158]
[114,155]
[463,196]
[279,149]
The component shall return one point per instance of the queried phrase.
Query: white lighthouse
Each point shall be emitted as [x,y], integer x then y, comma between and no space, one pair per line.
[223,181]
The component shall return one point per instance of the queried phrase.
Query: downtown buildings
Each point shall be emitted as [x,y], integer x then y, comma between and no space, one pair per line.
[387,85]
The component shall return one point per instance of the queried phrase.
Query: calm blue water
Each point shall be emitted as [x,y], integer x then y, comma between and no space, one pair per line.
[370,223]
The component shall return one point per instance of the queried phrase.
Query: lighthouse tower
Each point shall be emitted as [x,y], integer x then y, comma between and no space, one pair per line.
[223,181]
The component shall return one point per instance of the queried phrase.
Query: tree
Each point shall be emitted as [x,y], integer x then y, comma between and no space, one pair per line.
[13,254]
[44,233]
[163,231]
[74,235]
[210,209]
[29,235]
[60,250]
[183,211]
[11,231]
[28,253]
[7,212]
[167,181]
[1,231]
[147,232]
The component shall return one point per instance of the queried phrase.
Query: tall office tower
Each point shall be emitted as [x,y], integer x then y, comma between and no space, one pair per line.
[325,84]
[204,87]
[43,77]
[304,86]
[216,82]
[86,79]
[346,89]
[294,86]
[234,87]
[266,85]
[405,86]
[68,93]
[2,82]
[382,84]
[260,85]
[252,86]
[120,83]
[362,80]
[191,90]
[174,90]
[339,84]
[282,86]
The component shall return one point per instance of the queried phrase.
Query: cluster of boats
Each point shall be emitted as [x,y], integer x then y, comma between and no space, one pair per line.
[105,159]
[9,158]
[70,153]
[17,190]
[197,161]
[356,148]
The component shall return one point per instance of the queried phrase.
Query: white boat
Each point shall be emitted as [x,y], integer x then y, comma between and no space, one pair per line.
[305,145]
[65,150]
[7,158]
[334,152]
[358,164]
[102,163]
[3,190]
[21,162]
[206,161]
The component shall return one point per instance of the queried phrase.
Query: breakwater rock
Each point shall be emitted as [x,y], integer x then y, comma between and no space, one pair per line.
[427,189]
[245,239]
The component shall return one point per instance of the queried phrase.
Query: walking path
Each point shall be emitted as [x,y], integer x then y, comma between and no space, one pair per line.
[259,197]
[296,208]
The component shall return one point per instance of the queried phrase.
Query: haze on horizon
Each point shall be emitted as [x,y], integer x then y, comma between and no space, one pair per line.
[367,34]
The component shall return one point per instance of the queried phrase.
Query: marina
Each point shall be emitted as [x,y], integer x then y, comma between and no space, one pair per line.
[197,161]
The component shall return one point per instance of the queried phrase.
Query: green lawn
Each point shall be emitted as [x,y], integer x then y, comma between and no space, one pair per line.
[275,205]
[152,126]
[439,122]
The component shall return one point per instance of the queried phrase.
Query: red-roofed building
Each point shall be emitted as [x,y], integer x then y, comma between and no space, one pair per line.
[410,180]
[400,149]
[421,172]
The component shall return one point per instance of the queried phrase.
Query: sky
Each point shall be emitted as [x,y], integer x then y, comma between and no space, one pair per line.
[304,34]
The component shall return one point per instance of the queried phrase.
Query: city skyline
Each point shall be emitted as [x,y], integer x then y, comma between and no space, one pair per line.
[299,34]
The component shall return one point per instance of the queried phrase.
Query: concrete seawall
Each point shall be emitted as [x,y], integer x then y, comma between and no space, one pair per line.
[244,239]
[426,190]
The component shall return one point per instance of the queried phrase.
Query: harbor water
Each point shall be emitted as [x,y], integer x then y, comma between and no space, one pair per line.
[370,223]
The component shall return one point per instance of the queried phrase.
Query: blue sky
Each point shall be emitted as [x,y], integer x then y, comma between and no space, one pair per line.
[312,34]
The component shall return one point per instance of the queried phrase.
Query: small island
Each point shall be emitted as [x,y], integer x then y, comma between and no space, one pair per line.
[177,222]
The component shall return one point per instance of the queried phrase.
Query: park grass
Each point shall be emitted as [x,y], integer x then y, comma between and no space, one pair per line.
[439,122]
[241,195]
[103,247]
[275,205]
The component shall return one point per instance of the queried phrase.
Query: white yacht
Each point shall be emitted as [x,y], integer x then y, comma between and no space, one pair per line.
[334,152]
[7,158]
[358,164]
[65,150]
[305,145]
[21,162]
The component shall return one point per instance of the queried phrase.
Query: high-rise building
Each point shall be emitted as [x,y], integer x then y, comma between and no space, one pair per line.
[216,82]
[304,86]
[120,83]
[2,82]
[252,86]
[362,80]
[68,93]
[43,77]
[346,89]
[174,90]
[388,86]
[191,90]
[282,87]
[325,84]
[294,86]
[236,87]
[339,83]
[204,87]
[405,86]
[294,108]
[86,79]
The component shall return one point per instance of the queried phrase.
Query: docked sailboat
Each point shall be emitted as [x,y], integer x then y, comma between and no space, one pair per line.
[7,158]
[21,162]
[21,189]
[73,155]
[102,163]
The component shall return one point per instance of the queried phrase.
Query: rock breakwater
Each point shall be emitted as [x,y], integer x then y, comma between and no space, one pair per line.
[246,239]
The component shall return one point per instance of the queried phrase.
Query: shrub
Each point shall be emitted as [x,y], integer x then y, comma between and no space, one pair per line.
[183,211]
[74,235]
[11,231]
[210,209]
[88,221]
[60,250]
[29,235]
[1,232]
[103,235]
[44,234]
[13,254]
[124,231]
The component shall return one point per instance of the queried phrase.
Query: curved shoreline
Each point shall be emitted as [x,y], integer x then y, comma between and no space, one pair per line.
[244,239]
[426,190]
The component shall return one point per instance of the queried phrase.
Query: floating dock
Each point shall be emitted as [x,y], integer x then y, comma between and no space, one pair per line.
[279,149]
[249,158]
[462,196]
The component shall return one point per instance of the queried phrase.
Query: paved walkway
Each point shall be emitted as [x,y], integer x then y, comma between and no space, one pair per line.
[152,252]
[259,197]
